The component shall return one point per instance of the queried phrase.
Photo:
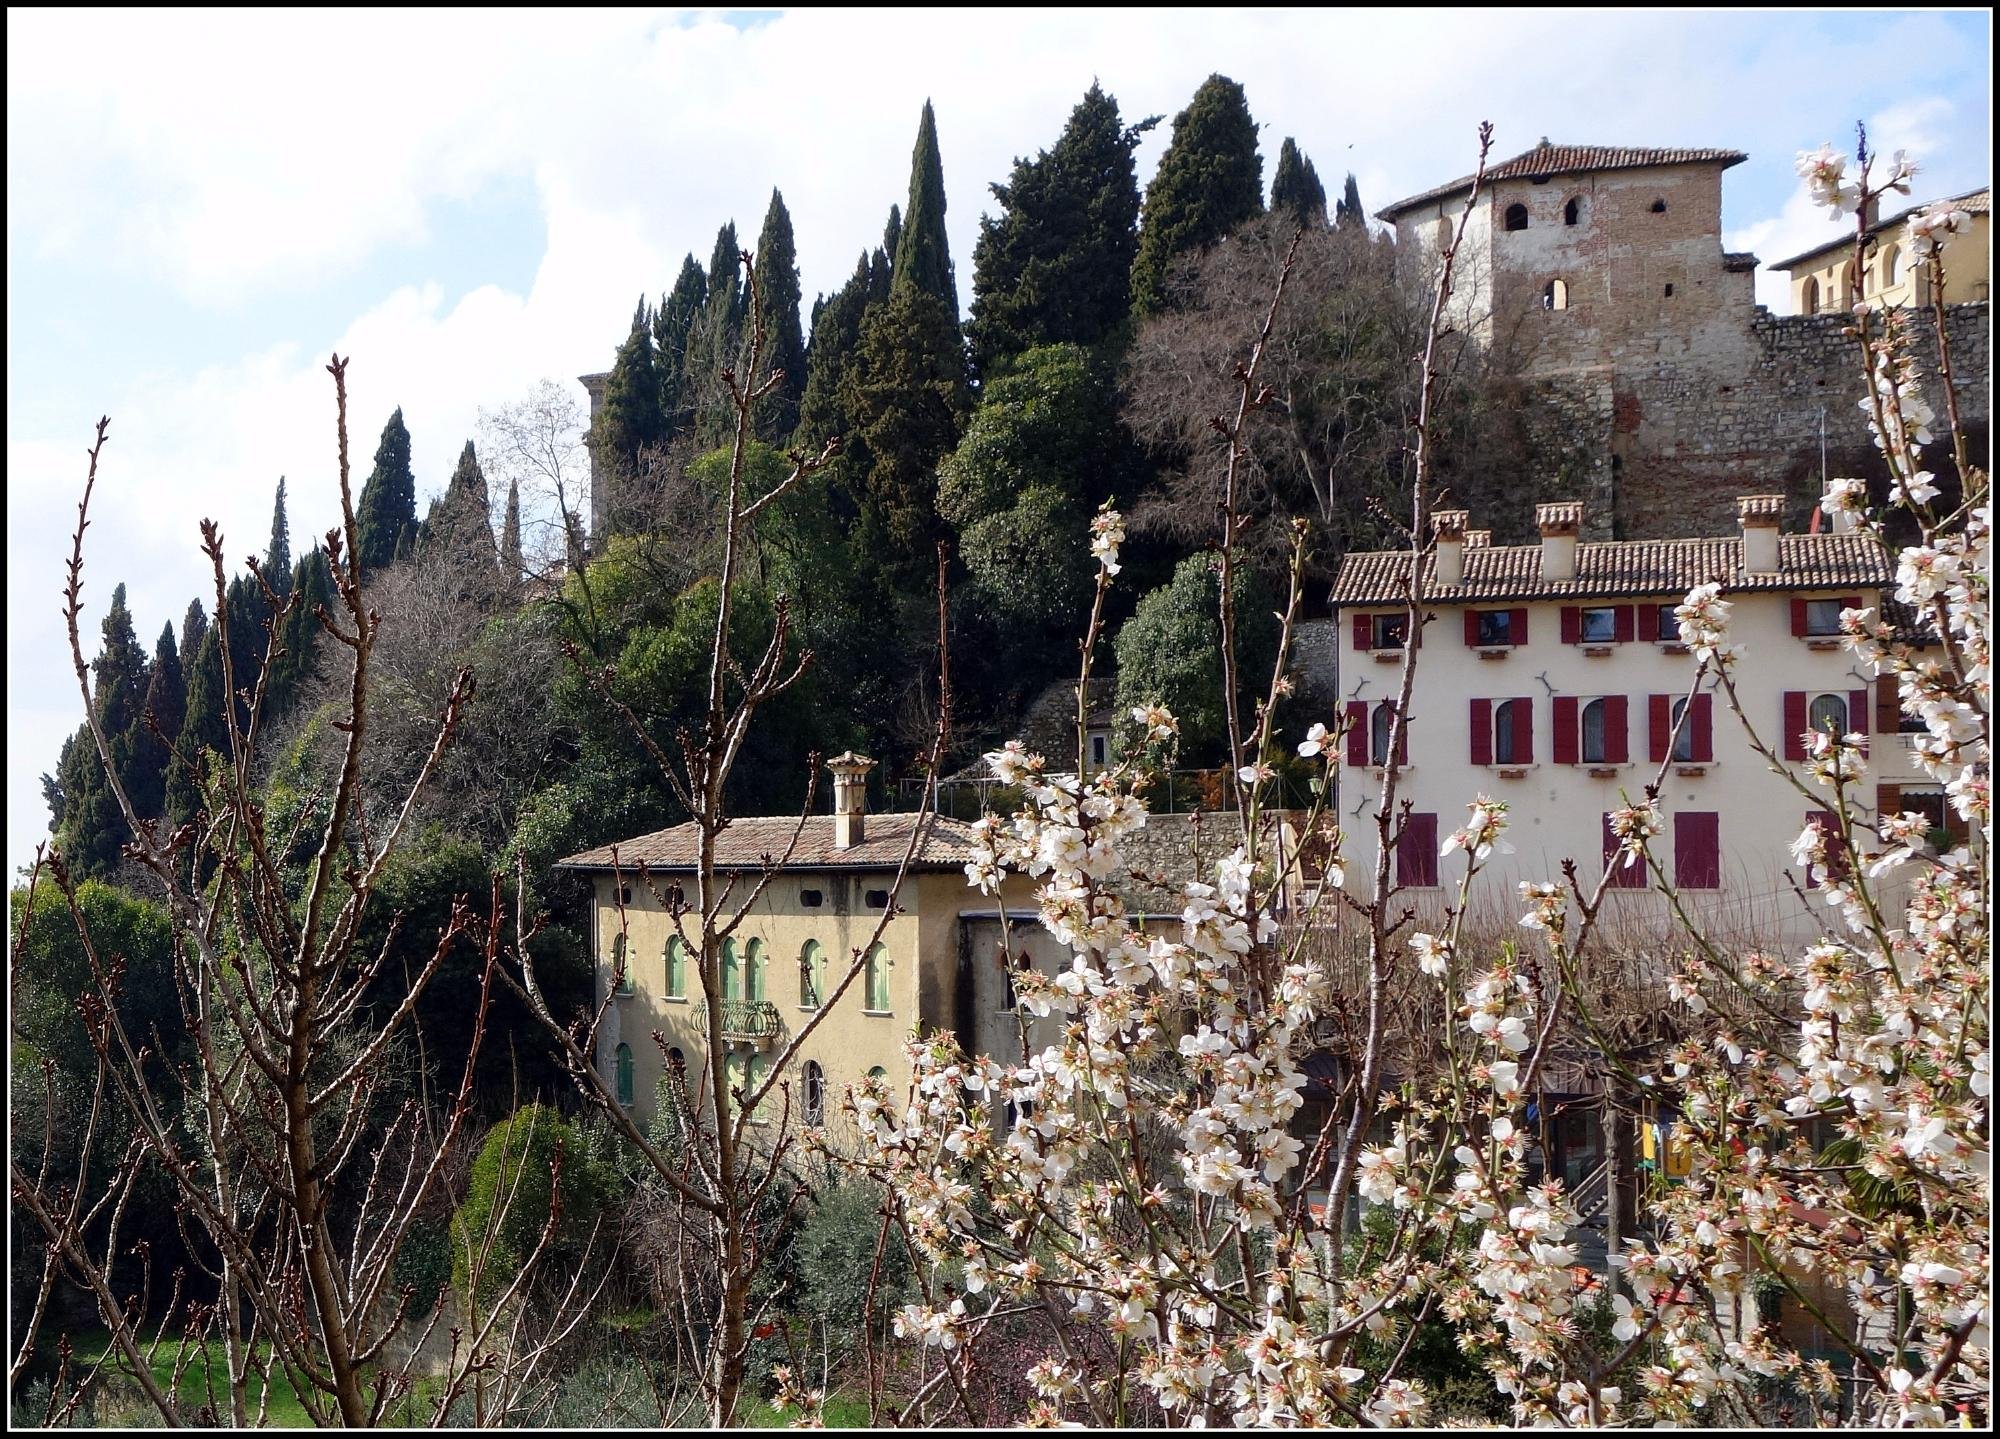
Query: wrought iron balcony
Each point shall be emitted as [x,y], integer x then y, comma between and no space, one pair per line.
[754,1020]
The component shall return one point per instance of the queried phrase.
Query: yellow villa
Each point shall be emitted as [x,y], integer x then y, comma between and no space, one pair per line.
[1824,279]
[936,964]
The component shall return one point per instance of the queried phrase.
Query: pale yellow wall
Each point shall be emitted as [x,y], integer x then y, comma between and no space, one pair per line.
[922,944]
[1967,271]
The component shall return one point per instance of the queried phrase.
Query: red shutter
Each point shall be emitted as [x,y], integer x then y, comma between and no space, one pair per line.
[1616,727]
[1364,632]
[1357,734]
[1857,715]
[1628,624]
[1524,730]
[1517,626]
[1888,706]
[1798,615]
[1482,731]
[1701,722]
[1851,602]
[1836,848]
[1472,627]
[1623,876]
[1572,625]
[1697,850]
[1659,725]
[1565,741]
[1417,852]
[1795,724]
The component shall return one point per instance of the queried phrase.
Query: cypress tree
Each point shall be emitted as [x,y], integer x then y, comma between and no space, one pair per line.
[203,728]
[1347,211]
[892,234]
[511,564]
[312,580]
[93,826]
[166,708]
[1295,186]
[836,335]
[278,556]
[193,626]
[715,344]
[778,311]
[673,323]
[119,671]
[249,639]
[1210,181]
[629,420]
[1055,265]
[922,257]
[388,509]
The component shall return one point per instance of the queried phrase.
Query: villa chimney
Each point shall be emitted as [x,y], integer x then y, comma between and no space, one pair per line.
[1479,539]
[1559,523]
[1759,515]
[850,798]
[1449,525]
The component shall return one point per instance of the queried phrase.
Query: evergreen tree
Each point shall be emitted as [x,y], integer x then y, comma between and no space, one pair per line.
[278,557]
[778,311]
[1055,265]
[629,421]
[892,234]
[1295,186]
[715,344]
[922,257]
[836,336]
[906,394]
[1347,211]
[250,638]
[194,625]
[511,562]
[1210,180]
[673,323]
[387,514]
[312,580]
[93,826]
[165,708]
[204,728]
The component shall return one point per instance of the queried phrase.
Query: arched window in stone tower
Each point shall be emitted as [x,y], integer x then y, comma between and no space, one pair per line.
[1573,211]
[1659,207]
[1809,296]
[1517,217]
[1892,265]
[1555,295]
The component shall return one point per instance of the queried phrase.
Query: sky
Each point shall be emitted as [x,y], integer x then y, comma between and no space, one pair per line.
[202,206]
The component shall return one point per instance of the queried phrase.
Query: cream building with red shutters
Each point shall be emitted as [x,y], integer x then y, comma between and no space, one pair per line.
[1552,676]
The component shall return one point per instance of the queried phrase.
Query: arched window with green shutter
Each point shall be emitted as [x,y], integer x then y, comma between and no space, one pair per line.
[755,968]
[621,968]
[753,1075]
[878,979]
[812,975]
[732,971]
[677,968]
[624,1074]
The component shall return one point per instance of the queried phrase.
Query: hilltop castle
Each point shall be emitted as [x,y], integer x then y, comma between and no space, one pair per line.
[1600,272]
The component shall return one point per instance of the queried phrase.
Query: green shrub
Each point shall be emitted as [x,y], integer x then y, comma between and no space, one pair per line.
[511,1196]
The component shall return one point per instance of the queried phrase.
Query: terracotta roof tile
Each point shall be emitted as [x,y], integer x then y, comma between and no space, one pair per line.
[1547,160]
[754,842]
[1619,568]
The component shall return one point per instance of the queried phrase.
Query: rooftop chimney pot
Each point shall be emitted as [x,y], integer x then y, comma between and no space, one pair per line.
[1449,526]
[1559,523]
[1759,516]
[850,798]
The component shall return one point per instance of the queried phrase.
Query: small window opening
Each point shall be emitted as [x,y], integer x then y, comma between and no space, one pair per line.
[878,899]
[1659,207]
[1594,746]
[811,898]
[1509,729]
[1683,734]
[1496,627]
[1828,714]
[1670,290]
[815,1093]
[1599,625]
[1517,217]
[1555,295]
[1573,211]
[1097,750]
[1389,631]
[1823,617]
[1381,727]
[624,894]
